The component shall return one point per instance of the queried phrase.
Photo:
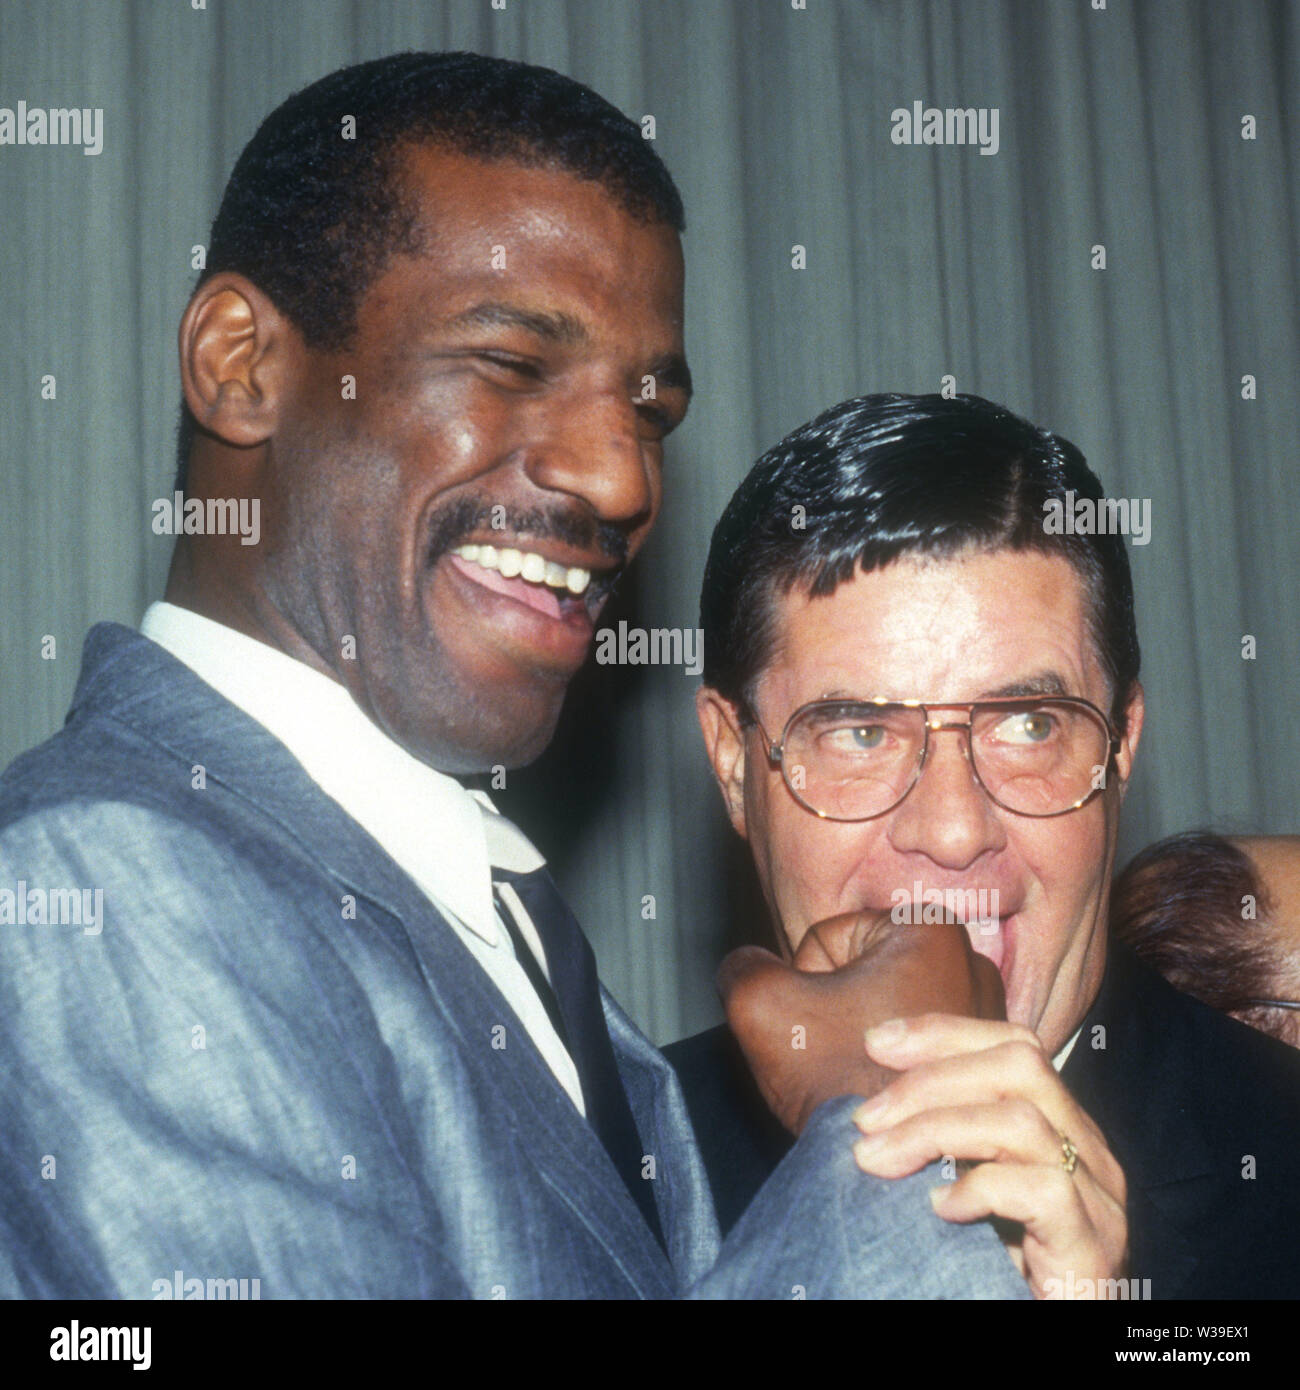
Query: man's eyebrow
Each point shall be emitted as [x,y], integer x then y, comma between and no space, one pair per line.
[1042,683]
[553,325]
[563,329]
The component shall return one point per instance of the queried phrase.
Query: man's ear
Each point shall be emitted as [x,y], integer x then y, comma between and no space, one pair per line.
[724,742]
[1124,758]
[237,351]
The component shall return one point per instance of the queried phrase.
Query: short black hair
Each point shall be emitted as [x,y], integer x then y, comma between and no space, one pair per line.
[880,477]
[1179,905]
[311,218]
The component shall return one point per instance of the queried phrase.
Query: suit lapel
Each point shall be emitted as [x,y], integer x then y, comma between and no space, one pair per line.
[681,1185]
[563,1147]
[1126,1072]
[573,974]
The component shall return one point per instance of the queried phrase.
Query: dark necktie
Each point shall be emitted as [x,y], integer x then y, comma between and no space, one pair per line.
[581,1023]
[532,967]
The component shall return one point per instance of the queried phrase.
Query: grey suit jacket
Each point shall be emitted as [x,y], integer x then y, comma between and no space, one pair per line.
[274,1060]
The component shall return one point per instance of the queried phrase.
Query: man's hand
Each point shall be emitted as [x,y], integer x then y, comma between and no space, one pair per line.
[801,1027]
[978,1089]
[947,1077]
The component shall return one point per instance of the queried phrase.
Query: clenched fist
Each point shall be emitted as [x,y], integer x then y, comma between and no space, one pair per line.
[801,1026]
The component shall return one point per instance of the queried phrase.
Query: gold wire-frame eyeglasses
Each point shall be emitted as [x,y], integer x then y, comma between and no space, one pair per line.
[776,751]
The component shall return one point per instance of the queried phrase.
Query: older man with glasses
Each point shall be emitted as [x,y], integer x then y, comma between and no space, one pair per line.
[920,703]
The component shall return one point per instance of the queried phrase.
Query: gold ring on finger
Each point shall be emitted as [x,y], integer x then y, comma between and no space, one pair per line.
[1069,1154]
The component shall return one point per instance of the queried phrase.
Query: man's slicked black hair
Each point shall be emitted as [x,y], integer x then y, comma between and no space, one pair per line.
[311,217]
[880,477]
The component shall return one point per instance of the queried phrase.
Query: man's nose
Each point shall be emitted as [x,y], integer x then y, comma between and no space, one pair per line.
[947,816]
[593,451]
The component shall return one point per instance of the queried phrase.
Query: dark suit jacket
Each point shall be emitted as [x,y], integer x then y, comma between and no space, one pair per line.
[1202,1113]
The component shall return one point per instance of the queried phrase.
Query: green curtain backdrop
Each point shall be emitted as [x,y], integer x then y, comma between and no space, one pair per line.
[1119,127]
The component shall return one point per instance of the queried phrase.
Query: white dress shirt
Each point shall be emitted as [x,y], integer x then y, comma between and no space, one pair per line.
[444,837]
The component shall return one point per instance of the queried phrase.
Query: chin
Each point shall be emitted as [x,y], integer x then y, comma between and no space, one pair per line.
[463,720]
[501,739]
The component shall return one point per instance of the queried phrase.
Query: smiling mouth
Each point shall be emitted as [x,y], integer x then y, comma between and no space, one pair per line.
[547,586]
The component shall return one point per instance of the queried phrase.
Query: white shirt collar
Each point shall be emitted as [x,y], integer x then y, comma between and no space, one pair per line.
[507,846]
[445,837]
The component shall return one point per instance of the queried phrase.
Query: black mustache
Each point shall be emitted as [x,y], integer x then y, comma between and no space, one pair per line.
[456,523]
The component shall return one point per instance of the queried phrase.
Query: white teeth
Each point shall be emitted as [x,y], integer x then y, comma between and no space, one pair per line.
[527,564]
[533,568]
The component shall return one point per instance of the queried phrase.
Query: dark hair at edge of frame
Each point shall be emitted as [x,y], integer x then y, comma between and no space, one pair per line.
[880,477]
[312,218]
[1178,904]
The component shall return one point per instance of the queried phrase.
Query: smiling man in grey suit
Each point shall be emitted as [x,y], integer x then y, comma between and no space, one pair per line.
[336,1031]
